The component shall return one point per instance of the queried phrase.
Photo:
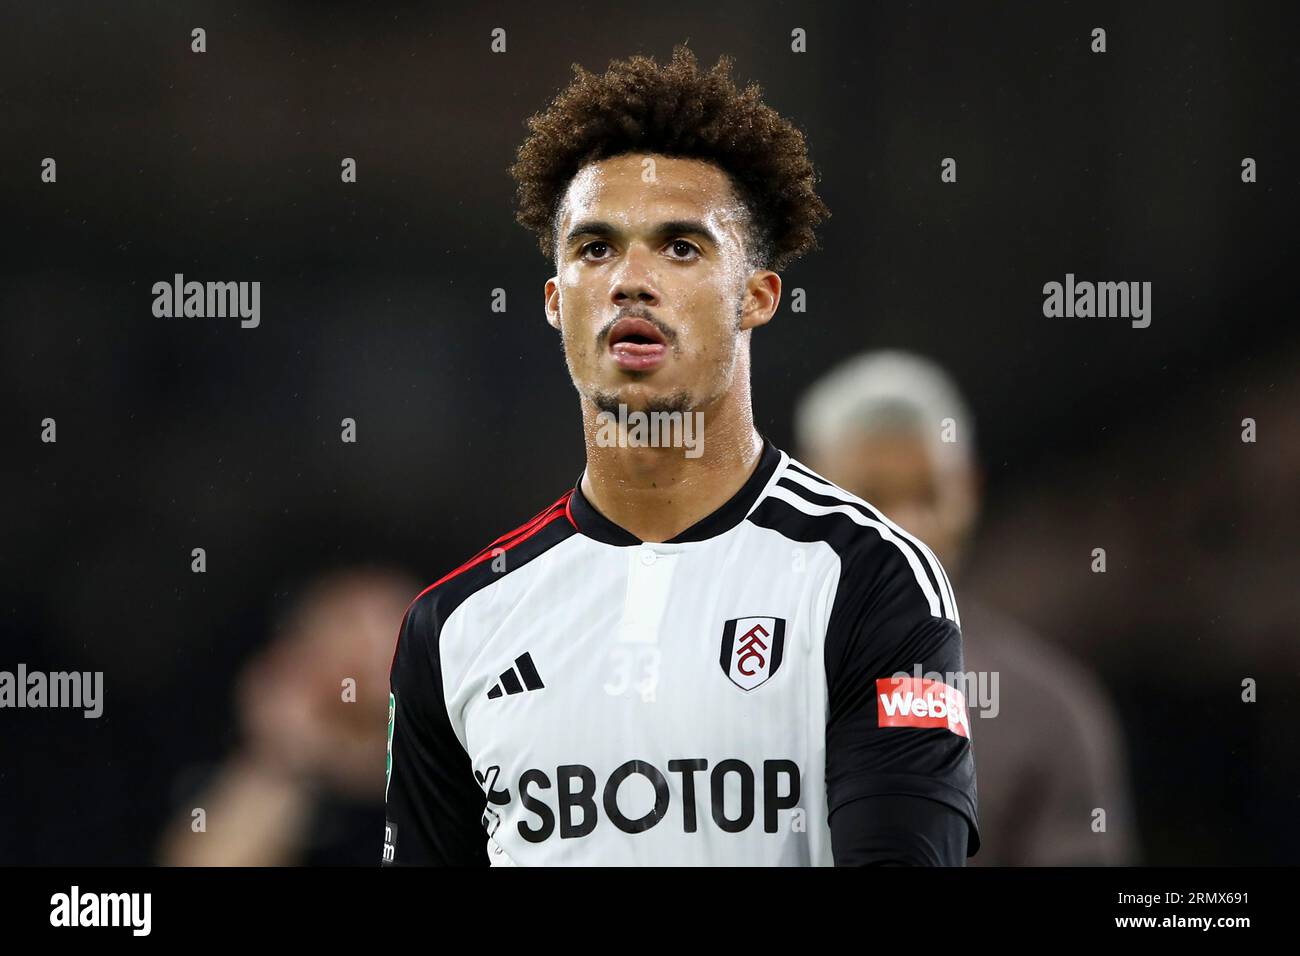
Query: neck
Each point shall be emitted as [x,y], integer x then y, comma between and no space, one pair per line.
[657,493]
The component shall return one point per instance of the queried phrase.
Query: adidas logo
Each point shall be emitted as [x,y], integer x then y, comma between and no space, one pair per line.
[510,680]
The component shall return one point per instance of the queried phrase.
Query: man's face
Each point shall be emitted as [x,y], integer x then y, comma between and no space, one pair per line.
[652,288]
[899,473]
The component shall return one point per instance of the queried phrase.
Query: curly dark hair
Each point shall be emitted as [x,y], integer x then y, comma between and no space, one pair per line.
[674,110]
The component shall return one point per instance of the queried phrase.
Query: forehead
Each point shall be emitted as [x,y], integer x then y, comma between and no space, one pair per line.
[641,188]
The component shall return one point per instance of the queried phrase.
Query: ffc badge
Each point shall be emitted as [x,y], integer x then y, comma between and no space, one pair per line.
[751,649]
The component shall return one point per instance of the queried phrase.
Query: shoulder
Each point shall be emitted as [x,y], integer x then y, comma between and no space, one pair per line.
[880,563]
[510,552]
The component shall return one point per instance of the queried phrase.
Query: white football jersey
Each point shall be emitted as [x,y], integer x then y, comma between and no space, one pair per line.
[573,695]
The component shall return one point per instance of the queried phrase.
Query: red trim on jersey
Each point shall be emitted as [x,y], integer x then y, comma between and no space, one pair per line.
[518,536]
[564,499]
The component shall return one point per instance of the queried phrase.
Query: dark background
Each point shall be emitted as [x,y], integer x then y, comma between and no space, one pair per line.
[179,433]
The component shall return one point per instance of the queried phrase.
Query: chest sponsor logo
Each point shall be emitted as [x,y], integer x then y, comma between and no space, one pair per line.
[638,796]
[918,702]
[751,650]
[495,798]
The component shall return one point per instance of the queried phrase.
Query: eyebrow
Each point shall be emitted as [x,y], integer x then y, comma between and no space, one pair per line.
[673,227]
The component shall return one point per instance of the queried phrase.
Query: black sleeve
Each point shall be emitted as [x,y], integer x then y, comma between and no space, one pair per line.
[434,805]
[894,830]
[896,717]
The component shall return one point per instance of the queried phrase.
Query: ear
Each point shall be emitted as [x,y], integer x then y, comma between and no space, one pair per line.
[762,296]
[552,305]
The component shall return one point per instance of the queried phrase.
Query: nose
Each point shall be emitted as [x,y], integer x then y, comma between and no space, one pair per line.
[634,284]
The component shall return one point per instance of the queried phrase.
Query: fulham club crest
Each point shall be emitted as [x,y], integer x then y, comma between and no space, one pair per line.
[751,649]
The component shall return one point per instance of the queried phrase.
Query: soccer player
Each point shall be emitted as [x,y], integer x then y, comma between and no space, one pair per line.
[704,653]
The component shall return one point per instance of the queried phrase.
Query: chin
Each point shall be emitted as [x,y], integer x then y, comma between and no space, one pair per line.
[644,397]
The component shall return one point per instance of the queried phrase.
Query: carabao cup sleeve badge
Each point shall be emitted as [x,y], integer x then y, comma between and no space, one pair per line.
[388,763]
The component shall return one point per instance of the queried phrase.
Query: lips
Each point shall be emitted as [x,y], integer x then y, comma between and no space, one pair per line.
[636,345]
[635,332]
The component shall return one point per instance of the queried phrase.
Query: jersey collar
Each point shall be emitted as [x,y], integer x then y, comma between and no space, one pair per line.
[593,524]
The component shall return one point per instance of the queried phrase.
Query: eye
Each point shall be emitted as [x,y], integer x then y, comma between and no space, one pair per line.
[596,249]
[681,249]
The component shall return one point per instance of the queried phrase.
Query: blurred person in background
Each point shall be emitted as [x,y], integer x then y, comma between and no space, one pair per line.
[306,784]
[892,428]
